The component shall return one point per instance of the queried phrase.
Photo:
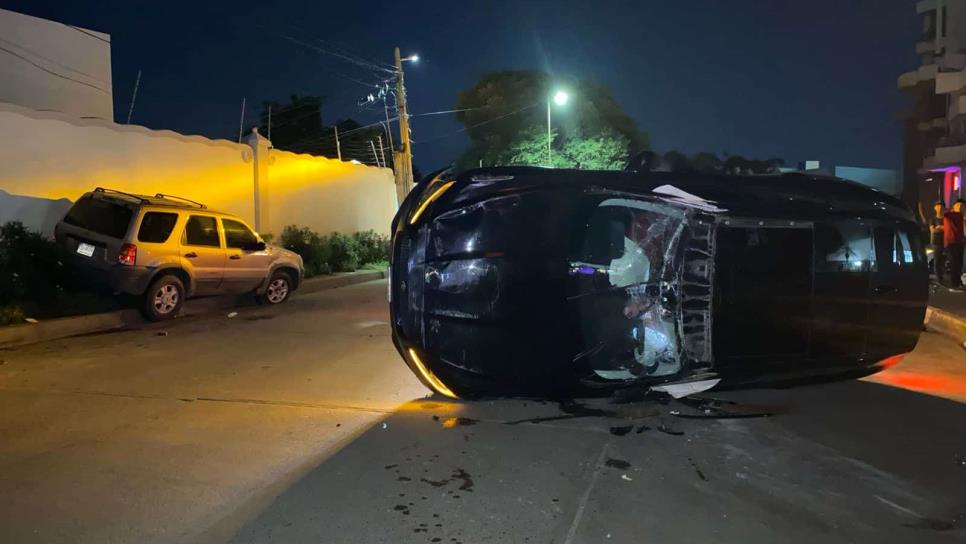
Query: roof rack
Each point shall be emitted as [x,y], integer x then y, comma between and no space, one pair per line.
[181,198]
[139,198]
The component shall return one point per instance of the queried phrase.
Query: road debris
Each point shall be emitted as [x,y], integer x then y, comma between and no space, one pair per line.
[30,320]
[697,470]
[385,425]
[162,333]
[621,430]
[232,314]
[668,430]
[627,478]
[617,463]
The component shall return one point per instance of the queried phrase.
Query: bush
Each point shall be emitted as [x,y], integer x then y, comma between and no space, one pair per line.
[373,248]
[344,252]
[11,315]
[312,247]
[37,279]
[31,267]
[335,252]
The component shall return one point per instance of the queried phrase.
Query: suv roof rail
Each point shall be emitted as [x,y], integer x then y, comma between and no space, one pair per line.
[139,198]
[181,198]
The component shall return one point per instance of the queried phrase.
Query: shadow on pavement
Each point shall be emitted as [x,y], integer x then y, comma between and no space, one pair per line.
[846,462]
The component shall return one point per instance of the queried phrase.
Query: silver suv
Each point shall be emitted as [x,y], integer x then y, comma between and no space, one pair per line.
[166,248]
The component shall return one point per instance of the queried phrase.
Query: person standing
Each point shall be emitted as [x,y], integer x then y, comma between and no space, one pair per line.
[937,241]
[954,238]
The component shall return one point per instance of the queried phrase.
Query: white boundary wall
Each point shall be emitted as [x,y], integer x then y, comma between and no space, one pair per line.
[49,157]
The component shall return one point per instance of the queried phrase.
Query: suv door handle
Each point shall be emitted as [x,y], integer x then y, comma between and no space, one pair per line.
[191,255]
[235,257]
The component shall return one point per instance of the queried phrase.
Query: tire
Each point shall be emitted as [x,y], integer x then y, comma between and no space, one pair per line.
[164,298]
[278,290]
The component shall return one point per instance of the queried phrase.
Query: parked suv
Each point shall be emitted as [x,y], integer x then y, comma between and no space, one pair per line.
[165,249]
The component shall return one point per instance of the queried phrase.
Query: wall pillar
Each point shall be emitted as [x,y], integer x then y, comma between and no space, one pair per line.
[261,151]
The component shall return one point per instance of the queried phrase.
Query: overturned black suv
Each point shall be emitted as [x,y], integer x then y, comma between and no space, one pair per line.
[530,281]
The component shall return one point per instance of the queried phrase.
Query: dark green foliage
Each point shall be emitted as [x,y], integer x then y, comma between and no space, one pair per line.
[335,252]
[373,247]
[36,279]
[506,111]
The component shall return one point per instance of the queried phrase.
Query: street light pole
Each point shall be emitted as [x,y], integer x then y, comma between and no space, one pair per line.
[560,98]
[549,137]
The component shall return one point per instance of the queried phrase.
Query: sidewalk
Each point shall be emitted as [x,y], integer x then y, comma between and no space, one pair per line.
[947,312]
[19,335]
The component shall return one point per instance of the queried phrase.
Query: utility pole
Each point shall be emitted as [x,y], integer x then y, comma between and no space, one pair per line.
[385,108]
[375,157]
[338,148]
[407,153]
[137,83]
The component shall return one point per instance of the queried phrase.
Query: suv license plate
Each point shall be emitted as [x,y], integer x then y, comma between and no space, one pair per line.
[86,250]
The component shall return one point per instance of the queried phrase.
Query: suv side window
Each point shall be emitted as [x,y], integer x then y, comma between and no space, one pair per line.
[201,231]
[156,227]
[237,235]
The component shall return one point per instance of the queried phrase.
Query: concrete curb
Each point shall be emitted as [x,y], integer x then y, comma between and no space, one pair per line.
[946,323]
[32,333]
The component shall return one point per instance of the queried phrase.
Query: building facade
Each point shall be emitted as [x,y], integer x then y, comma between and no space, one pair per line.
[935,124]
[51,66]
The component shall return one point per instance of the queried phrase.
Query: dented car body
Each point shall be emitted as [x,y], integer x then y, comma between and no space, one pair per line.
[528,281]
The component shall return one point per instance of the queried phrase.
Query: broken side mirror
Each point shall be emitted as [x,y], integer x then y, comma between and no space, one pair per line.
[257,245]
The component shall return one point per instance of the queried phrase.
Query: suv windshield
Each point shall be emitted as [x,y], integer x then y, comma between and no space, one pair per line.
[100,216]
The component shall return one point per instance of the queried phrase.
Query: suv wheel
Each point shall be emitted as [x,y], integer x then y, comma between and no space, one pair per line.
[278,290]
[164,298]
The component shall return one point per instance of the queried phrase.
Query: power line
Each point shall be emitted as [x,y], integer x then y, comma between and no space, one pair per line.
[91,34]
[51,72]
[464,129]
[347,58]
[48,59]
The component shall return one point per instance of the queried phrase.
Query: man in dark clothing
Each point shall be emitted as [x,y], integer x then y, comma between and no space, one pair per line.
[954,239]
[937,241]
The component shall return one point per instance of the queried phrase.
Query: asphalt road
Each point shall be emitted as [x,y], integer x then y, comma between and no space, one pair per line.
[300,424]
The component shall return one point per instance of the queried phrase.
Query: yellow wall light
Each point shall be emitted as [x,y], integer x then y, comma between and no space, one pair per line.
[422,207]
[431,378]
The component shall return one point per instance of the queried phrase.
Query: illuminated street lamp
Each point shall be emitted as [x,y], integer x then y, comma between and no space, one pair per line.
[559,98]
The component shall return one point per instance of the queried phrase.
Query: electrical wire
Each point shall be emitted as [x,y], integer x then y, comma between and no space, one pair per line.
[91,34]
[29,51]
[488,121]
[49,71]
[347,58]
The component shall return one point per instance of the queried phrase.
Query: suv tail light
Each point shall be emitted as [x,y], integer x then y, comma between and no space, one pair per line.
[129,252]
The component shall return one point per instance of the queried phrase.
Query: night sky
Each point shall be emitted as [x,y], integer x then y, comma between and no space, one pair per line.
[777,78]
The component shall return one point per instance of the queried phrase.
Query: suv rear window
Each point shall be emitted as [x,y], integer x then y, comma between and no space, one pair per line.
[100,216]
[156,227]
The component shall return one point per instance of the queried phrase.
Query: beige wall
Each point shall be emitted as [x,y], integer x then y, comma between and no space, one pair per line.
[46,65]
[345,197]
[49,156]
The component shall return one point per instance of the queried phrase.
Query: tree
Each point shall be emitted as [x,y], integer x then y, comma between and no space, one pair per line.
[294,125]
[505,110]
[706,163]
[607,151]
[677,161]
[297,127]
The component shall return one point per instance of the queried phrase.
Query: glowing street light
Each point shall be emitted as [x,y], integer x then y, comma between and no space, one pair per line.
[559,98]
